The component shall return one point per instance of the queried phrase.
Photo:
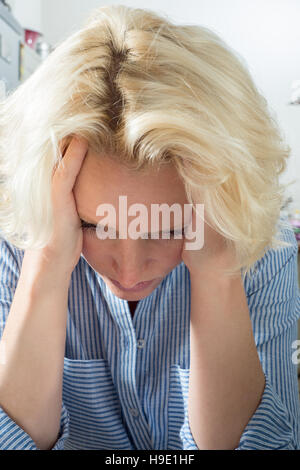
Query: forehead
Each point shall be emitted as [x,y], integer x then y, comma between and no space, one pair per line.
[103,179]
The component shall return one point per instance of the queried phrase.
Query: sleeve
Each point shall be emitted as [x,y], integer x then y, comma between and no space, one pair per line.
[13,437]
[273,298]
[274,304]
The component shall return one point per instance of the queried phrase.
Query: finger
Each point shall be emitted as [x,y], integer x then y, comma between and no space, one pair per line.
[67,171]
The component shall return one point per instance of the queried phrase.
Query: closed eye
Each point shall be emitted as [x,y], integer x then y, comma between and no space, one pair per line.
[173,233]
[88,227]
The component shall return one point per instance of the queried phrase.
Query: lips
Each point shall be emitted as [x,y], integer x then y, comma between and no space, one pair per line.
[137,287]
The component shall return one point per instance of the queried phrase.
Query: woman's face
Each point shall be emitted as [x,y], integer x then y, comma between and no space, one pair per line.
[124,263]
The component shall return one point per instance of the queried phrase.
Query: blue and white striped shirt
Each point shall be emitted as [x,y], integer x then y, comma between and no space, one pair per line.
[125,381]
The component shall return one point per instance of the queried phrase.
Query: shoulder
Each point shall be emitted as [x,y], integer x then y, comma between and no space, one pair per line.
[279,262]
[272,291]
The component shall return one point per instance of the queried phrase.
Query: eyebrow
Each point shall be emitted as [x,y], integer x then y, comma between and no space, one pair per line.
[91,224]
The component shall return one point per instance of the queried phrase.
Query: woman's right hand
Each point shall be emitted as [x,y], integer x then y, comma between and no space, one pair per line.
[30,376]
[65,245]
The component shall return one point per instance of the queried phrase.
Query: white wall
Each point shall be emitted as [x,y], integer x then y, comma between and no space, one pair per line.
[266,33]
[28,13]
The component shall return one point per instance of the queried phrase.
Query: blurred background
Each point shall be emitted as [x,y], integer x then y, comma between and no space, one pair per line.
[266,34]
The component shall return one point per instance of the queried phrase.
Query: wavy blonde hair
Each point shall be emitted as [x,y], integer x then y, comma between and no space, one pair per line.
[148,92]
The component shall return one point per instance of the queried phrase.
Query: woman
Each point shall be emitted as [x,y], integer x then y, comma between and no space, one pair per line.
[142,343]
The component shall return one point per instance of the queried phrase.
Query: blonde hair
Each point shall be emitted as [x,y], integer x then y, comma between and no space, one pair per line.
[149,92]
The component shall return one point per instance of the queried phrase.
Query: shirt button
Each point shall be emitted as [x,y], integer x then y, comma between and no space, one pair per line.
[134,412]
[140,343]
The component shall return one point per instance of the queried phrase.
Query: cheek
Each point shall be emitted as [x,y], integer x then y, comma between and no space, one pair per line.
[88,245]
[169,253]
[93,251]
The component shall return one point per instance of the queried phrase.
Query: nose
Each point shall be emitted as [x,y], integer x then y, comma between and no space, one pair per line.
[130,262]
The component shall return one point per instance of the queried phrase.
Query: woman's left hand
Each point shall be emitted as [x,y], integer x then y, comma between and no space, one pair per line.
[214,255]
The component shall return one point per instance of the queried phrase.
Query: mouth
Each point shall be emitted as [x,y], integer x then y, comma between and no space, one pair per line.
[138,287]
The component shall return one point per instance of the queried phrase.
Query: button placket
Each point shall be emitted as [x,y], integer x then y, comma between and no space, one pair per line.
[126,385]
[140,343]
[123,369]
[134,412]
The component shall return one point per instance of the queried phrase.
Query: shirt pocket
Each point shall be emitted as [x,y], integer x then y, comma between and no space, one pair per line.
[93,405]
[179,433]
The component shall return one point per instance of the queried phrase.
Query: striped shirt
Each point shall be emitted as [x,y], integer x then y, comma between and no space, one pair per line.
[126,379]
